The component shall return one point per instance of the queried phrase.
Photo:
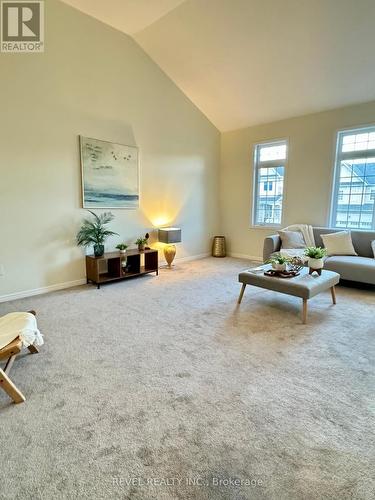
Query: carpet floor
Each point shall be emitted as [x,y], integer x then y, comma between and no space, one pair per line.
[162,388]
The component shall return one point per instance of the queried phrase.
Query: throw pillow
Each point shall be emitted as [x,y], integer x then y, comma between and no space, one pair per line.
[373,247]
[292,239]
[339,243]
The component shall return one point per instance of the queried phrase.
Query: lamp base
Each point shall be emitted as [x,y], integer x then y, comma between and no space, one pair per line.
[169,254]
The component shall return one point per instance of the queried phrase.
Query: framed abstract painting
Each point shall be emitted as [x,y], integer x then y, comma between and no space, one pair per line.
[110,174]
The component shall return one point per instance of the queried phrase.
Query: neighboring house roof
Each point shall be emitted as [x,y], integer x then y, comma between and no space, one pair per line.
[355,208]
[271,199]
[365,172]
[276,171]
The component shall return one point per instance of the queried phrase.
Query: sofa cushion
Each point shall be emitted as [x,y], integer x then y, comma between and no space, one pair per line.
[361,239]
[352,268]
[339,243]
[373,247]
[292,239]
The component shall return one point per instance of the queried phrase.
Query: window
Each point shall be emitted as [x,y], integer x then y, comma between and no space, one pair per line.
[353,201]
[269,171]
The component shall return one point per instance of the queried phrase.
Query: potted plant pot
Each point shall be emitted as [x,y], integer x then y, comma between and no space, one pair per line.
[98,250]
[278,267]
[315,263]
[122,252]
[141,248]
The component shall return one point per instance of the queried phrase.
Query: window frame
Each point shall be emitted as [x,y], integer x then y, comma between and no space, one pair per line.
[256,167]
[339,157]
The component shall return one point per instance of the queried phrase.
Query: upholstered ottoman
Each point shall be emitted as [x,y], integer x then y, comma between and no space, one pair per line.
[304,286]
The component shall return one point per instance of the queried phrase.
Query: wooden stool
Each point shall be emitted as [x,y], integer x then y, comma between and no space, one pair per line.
[10,353]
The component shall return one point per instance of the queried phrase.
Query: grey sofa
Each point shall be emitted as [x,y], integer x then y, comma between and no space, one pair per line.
[352,268]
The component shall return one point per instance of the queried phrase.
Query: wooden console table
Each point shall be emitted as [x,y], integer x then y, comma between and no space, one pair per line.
[114,266]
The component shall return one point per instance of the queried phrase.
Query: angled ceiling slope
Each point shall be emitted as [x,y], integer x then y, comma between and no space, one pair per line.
[129,16]
[245,62]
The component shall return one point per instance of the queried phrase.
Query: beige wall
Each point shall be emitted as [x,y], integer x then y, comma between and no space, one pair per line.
[309,173]
[94,81]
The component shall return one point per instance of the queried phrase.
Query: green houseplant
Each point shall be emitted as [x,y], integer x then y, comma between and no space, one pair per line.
[278,262]
[316,257]
[122,247]
[94,233]
[141,243]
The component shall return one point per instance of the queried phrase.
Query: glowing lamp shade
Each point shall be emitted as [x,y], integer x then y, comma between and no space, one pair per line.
[169,235]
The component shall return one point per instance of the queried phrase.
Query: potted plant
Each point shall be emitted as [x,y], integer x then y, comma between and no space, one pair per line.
[278,262]
[122,247]
[141,243]
[316,257]
[94,232]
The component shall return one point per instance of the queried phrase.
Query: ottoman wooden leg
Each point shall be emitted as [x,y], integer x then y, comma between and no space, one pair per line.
[304,311]
[333,293]
[241,293]
[10,388]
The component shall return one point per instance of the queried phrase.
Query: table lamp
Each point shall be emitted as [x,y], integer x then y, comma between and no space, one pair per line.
[169,235]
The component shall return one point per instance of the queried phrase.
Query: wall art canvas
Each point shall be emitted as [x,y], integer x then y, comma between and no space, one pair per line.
[109,174]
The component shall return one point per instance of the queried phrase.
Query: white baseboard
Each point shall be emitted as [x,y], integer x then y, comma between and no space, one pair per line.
[244,256]
[69,284]
[39,291]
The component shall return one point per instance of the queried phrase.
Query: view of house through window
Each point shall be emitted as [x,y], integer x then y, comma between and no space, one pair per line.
[354,187]
[269,170]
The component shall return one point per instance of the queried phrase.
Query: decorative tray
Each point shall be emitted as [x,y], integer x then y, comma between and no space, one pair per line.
[281,274]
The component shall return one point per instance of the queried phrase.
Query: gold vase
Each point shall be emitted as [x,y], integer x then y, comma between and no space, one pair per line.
[218,246]
[169,254]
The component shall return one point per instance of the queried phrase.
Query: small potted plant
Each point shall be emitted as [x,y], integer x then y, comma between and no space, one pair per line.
[278,262]
[94,232]
[315,257]
[122,247]
[141,243]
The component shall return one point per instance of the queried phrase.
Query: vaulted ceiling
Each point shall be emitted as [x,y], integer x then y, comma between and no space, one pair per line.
[129,16]
[245,62]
